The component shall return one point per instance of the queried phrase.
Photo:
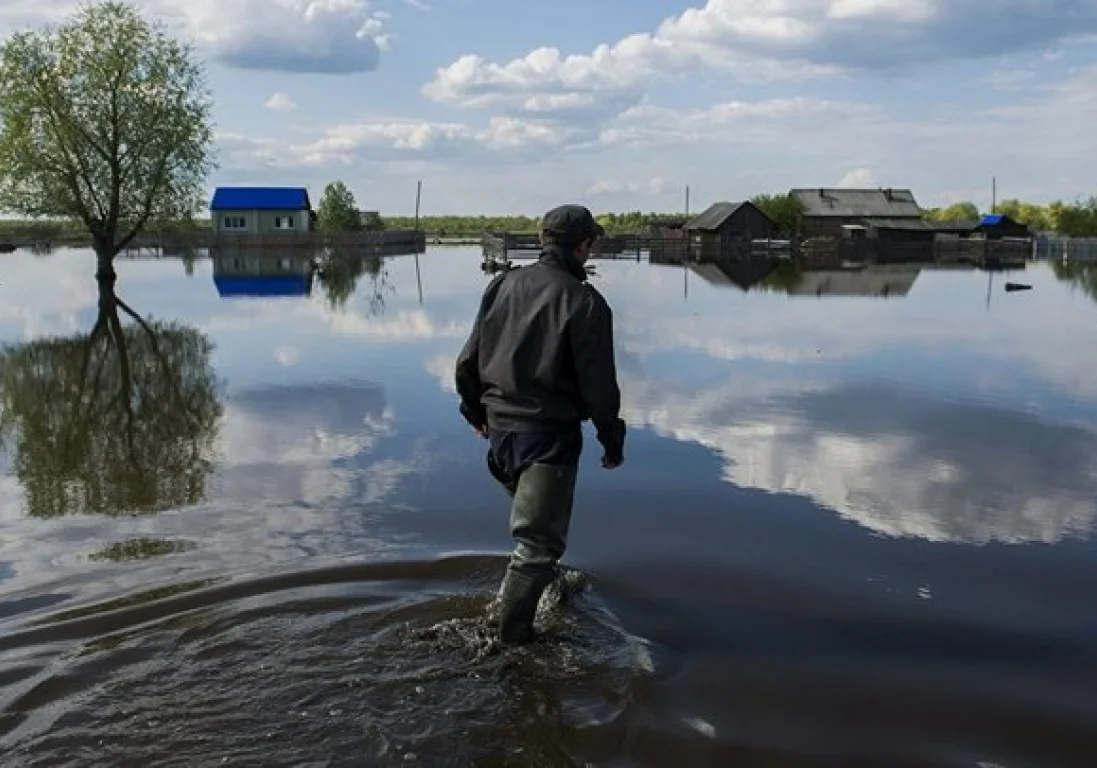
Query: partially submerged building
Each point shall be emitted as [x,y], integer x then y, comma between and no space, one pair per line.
[999,226]
[261,210]
[838,212]
[727,230]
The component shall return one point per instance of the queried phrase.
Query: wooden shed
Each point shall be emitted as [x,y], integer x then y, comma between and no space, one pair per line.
[997,226]
[726,231]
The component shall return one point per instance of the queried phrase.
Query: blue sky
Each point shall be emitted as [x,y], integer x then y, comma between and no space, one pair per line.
[512,107]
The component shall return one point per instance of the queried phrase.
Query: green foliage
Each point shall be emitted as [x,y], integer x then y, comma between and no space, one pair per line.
[1077,219]
[1035,216]
[118,421]
[966,211]
[785,211]
[338,211]
[106,120]
[634,222]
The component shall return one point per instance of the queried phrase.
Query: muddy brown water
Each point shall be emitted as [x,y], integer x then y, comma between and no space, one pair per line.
[851,530]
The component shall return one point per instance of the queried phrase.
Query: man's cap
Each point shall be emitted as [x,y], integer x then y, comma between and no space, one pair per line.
[572,223]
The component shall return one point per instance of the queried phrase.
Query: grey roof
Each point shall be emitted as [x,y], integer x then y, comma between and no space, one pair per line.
[851,203]
[911,225]
[713,217]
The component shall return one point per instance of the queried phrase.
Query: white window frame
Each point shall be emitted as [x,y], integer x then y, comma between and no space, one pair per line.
[284,222]
[234,222]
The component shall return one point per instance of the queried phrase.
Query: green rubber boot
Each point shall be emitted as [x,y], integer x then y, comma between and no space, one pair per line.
[521,594]
[539,522]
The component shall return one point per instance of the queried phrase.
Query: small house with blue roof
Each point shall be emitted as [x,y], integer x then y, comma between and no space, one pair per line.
[261,210]
[996,226]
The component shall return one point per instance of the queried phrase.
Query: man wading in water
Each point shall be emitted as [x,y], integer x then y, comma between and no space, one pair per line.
[539,362]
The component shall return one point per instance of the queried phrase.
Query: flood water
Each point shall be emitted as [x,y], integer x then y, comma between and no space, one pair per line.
[851,530]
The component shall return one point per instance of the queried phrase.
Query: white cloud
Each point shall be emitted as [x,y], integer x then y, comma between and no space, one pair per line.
[858,178]
[749,40]
[655,186]
[280,102]
[503,139]
[737,121]
[311,36]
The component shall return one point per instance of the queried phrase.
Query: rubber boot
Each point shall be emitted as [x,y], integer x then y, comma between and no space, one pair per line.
[521,594]
[540,517]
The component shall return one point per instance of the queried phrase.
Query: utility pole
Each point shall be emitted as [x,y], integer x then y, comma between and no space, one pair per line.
[687,199]
[418,276]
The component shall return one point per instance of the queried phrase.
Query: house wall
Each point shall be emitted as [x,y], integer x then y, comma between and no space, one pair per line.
[827,226]
[831,226]
[747,224]
[261,221]
[733,239]
[1005,230]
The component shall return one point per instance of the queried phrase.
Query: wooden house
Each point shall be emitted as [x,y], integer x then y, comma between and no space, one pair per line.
[726,231]
[839,212]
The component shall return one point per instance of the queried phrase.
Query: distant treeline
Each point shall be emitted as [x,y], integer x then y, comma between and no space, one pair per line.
[783,209]
[1066,219]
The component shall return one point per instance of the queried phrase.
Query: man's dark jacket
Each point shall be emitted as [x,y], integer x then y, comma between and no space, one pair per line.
[540,354]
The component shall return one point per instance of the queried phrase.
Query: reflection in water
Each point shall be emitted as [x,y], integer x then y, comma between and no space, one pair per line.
[896,462]
[784,275]
[118,421]
[340,272]
[140,549]
[262,272]
[777,631]
[1079,274]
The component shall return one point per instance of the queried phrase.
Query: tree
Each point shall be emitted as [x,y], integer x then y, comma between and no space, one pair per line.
[121,420]
[338,211]
[964,211]
[106,120]
[784,210]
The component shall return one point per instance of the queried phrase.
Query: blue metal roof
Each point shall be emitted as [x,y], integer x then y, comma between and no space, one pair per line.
[260,198]
[992,219]
[288,285]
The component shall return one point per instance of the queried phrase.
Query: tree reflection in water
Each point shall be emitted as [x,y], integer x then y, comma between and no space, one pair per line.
[118,421]
[1078,274]
[340,272]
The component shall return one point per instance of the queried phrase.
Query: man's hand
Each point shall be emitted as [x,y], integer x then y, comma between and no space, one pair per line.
[614,463]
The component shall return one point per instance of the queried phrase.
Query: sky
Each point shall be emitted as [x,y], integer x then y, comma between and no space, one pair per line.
[508,106]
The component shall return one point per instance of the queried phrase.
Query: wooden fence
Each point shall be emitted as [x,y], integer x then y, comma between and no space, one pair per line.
[198,240]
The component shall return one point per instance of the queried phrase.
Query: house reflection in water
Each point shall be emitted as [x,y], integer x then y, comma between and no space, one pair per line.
[268,273]
[785,276]
[739,273]
[881,281]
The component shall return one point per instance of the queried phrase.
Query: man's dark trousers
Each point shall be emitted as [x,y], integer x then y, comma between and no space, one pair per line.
[538,470]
